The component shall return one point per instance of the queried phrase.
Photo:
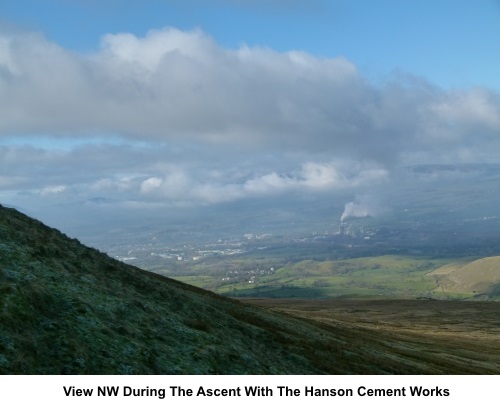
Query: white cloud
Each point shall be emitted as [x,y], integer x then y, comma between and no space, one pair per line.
[269,183]
[52,190]
[179,86]
[190,121]
[151,52]
[115,185]
[179,185]
[151,184]
[321,176]
[172,85]
[476,108]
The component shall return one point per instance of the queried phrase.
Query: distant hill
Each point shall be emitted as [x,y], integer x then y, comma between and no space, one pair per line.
[69,309]
[480,277]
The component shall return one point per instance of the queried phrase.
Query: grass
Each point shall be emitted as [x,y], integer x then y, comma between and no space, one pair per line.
[480,277]
[388,276]
[69,309]
[461,335]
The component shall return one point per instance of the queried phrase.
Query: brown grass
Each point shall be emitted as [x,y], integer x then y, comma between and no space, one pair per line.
[463,337]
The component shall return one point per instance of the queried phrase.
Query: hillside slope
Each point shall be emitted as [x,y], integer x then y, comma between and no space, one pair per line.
[69,309]
[480,277]
[66,308]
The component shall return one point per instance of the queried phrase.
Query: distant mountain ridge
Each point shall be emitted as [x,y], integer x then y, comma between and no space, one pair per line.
[489,168]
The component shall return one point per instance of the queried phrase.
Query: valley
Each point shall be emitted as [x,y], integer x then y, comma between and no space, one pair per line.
[327,266]
[70,309]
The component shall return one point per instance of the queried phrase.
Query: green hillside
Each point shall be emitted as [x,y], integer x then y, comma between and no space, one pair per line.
[66,308]
[387,276]
[69,309]
[480,277]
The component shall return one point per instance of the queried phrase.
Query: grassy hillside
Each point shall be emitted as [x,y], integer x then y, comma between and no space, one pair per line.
[388,276]
[65,308]
[69,309]
[462,334]
[480,277]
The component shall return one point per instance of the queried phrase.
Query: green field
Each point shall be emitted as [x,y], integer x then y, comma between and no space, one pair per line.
[390,276]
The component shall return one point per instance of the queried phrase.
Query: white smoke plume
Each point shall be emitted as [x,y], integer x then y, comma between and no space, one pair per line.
[362,207]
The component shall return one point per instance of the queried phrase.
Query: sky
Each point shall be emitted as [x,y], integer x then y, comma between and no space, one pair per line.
[135,105]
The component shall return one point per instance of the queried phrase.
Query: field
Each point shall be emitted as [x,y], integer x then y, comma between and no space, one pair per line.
[463,335]
[372,276]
